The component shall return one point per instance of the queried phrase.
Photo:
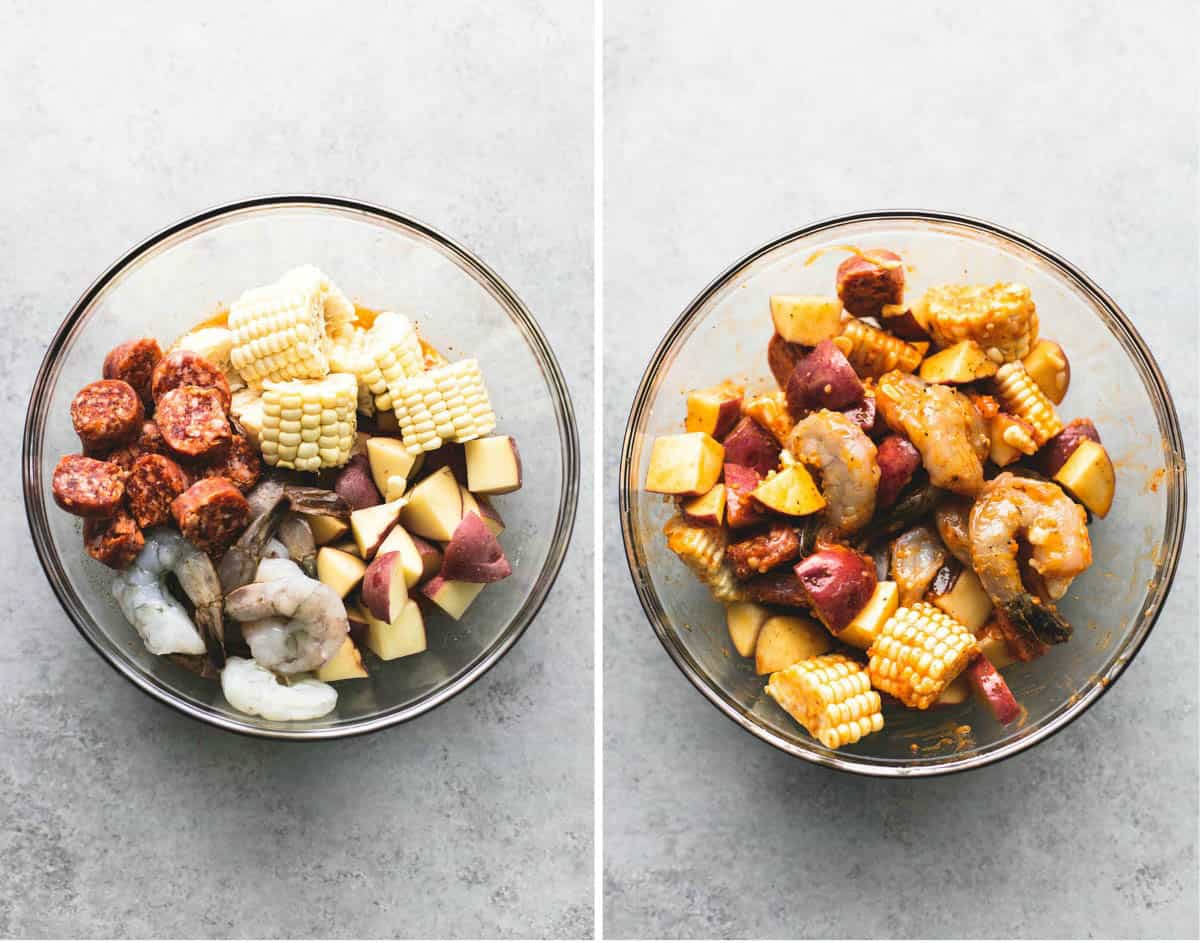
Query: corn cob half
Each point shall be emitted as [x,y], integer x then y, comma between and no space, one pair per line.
[831,697]
[445,404]
[873,352]
[309,424]
[918,652]
[1001,318]
[702,549]
[1020,395]
[396,351]
[348,353]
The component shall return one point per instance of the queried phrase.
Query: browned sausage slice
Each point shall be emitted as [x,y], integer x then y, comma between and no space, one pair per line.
[114,541]
[193,423]
[153,484]
[211,514]
[106,414]
[240,464]
[134,362]
[867,282]
[188,368]
[88,487]
[150,442]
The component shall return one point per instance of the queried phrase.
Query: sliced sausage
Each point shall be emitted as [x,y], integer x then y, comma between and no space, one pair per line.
[867,282]
[154,482]
[134,362]
[193,423]
[763,551]
[88,487]
[188,368]
[150,442]
[240,464]
[114,541]
[211,514]
[106,414]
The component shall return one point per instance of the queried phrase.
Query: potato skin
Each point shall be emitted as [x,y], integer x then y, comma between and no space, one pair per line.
[898,461]
[782,357]
[823,379]
[741,510]
[1054,454]
[837,583]
[355,485]
[865,286]
[751,445]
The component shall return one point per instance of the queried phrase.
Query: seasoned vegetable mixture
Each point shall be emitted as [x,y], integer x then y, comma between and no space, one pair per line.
[899,517]
[373,506]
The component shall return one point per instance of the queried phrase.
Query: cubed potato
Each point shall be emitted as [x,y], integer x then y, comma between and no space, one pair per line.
[452,596]
[741,510]
[782,358]
[1089,476]
[1050,369]
[707,510]
[346,664]
[355,486]
[955,693]
[689,463]
[384,588]
[1054,454]
[838,583]
[965,362]
[715,410]
[402,542]
[371,525]
[326,528]
[770,411]
[342,572]
[997,651]
[1011,439]
[744,620]
[751,446]
[792,492]
[389,458]
[823,379]
[400,638]
[964,600]
[899,321]
[865,626]
[806,319]
[493,465]
[991,686]
[434,506]
[785,640]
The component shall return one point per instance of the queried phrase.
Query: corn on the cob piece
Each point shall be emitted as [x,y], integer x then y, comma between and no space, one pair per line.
[831,697]
[918,652]
[703,550]
[349,354]
[770,411]
[445,404]
[1020,395]
[247,408]
[395,347]
[873,352]
[338,309]
[1001,318]
[309,424]
[213,344]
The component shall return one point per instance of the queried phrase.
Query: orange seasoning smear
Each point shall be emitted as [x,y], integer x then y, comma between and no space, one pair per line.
[853,250]
[219,318]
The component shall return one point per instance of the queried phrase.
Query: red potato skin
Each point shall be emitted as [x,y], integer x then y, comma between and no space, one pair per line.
[134,362]
[865,413]
[376,584]
[1054,454]
[751,445]
[764,551]
[991,686]
[742,510]
[904,326]
[865,286]
[823,379]
[898,461]
[355,485]
[474,555]
[837,583]
[782,357]
[431,557]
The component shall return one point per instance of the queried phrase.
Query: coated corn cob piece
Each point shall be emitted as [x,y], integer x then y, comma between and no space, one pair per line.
[214,345]
[770,411]
[1020,395]
[873,352]
[445,404]
[1001,318]
[309,424]
[702,549]
[279,330]
[830,696]
[918,652]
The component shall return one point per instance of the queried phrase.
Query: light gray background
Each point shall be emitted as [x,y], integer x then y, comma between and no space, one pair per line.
[119,817]
[727,124]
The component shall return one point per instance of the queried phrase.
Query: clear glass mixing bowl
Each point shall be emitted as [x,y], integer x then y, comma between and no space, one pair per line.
[1114,380]
[384,260]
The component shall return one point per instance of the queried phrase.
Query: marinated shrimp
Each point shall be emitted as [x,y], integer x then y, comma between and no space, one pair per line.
[836,445]
[252,689]
[917,555]
[1010,510]
[291,623]
[161,620]
[953,519]
[944,426]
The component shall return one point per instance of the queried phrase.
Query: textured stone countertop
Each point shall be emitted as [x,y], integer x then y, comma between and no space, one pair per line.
[119,817]
[726,126]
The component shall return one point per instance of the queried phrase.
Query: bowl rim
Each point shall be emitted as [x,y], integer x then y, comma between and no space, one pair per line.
[564,415]
[1174,532]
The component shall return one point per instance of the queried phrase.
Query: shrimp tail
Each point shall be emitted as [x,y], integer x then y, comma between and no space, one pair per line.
[1036,620]
[309,501]
[211,624]
[240,561]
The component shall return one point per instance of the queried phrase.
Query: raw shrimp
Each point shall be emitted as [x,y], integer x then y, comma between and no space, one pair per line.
[295,533]
[252,689]
[264,496]
[953,518]
[944,426]
[240,562]
[274,550]
[160,619]
[1054,527]
[846,459]
[917,555]
[291,623]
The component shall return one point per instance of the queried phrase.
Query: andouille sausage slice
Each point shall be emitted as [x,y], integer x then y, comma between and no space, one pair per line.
[867,282]
[240,464]
[114,541]
[193,423]
[188,368]
[153,483]
[211,514]
[107,413]
[88,487]
[134,362]
[150,442]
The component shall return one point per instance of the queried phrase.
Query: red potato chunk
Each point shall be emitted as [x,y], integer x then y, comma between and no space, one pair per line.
[865,413]
[898,461]
[1054,454]
[991,686]
[823,379]
[837,583]
[751,445]
[741,508]
[763,551]
[867,282]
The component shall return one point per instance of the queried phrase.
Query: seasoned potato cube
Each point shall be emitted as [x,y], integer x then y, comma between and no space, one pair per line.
[1047,364]
[806,319]
[965,362]
[1089,476]
[684,464]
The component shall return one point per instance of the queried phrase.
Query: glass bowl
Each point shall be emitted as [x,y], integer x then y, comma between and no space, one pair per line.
[383,260]
[1114,380]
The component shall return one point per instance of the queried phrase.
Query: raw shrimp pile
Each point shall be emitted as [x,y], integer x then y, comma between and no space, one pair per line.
[898,520]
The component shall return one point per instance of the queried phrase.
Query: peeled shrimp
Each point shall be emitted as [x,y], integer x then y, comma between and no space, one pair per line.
[943,424]
[917,555]
[953,518]
[836,445]
[296,534]
[160,619]
[1054,527]
[291,623]
[252,689]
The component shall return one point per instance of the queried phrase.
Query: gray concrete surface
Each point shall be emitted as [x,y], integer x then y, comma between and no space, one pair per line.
[728,123]
[120,818]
